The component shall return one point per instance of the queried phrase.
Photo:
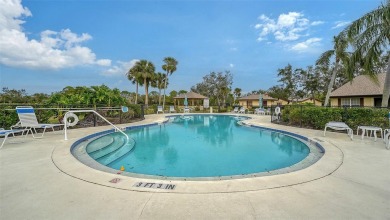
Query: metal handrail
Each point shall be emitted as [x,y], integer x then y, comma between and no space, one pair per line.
[76,111]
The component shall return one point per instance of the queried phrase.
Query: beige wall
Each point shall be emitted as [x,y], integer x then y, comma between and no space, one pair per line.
[334,102]
[242,103]
[369,101]
[280,102]
[317,103]
[255,103]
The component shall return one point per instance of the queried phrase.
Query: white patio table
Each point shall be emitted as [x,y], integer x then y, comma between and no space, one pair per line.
[372,129]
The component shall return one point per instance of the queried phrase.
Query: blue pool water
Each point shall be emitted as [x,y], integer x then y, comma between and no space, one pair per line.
[201,146]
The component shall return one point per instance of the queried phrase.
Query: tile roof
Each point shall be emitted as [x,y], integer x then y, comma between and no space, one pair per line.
[305,99]
[361,86]
[256,97]
[191,95]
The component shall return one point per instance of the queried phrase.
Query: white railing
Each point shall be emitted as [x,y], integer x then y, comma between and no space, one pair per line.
[76,111]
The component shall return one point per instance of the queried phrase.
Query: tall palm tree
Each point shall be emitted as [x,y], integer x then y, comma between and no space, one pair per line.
[341,57]
[370,36]
[169,67]
[159,83]
[146,73]
[134,76]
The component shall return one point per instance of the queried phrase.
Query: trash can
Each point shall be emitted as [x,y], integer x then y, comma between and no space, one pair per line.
[211,109]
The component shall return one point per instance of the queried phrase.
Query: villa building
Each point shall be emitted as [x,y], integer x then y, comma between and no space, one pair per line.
[253,101]
[193,99]
[362,91]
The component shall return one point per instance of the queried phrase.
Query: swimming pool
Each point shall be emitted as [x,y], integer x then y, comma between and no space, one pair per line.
[200,146]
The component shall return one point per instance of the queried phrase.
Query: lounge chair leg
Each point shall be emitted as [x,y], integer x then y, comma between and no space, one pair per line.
[5,138]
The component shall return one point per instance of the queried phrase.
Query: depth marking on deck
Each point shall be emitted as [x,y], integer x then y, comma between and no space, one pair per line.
[155,185]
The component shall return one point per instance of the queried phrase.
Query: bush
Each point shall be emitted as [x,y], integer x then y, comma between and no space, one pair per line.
[317,117]
[136,109]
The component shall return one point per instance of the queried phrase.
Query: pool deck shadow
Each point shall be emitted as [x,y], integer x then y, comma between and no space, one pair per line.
[40,178]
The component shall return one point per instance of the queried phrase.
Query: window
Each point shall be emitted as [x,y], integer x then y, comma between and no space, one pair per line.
[350,102]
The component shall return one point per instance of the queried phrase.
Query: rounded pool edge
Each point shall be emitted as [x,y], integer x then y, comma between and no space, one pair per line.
[316,151]
[329,162]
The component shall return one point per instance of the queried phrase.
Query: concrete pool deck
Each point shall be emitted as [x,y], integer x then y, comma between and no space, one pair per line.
[40,179]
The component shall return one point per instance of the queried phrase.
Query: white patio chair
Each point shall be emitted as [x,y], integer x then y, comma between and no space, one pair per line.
[259,111]
[235,110]
[160,109]
[242,110]
[6,133]
[28,120]
[339,126]
[172,109]
[186,109]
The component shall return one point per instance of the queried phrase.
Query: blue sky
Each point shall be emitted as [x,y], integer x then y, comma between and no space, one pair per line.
[46,45]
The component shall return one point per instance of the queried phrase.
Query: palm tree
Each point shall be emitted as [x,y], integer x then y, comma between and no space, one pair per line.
[237,93]
[169,67]
[145,71]
[370,36]
[134,76]
[340,55]
[159,83]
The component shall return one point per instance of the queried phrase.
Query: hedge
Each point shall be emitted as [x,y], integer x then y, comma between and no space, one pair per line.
[316,117]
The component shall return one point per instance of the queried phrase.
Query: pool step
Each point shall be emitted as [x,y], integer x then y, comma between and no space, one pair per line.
[122,150]
[113,146]
[99,144]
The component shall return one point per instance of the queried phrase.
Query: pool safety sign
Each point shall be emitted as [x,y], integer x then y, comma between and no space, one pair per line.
[155,185]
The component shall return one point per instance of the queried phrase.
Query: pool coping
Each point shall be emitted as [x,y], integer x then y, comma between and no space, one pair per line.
[316,151]
[68,164]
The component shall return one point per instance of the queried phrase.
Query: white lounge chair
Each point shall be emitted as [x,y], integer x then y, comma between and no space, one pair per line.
[6,133]
[160,109]
[242,110]
[186,109]
[339,126]
[235,110]
[259,111]
[172,109]
[28,120]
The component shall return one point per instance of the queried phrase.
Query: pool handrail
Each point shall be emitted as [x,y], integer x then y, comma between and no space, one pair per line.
[93,111]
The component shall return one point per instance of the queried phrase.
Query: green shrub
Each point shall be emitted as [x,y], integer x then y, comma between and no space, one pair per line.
[317,117]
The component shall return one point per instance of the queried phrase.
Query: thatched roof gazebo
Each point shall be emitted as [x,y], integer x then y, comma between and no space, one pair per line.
[194,99]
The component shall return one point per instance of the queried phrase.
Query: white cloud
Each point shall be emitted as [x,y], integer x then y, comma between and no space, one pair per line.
[54,50]
[339,24]
[231,65]
[120,69]
[315,23]
[307,45]
[287,27]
